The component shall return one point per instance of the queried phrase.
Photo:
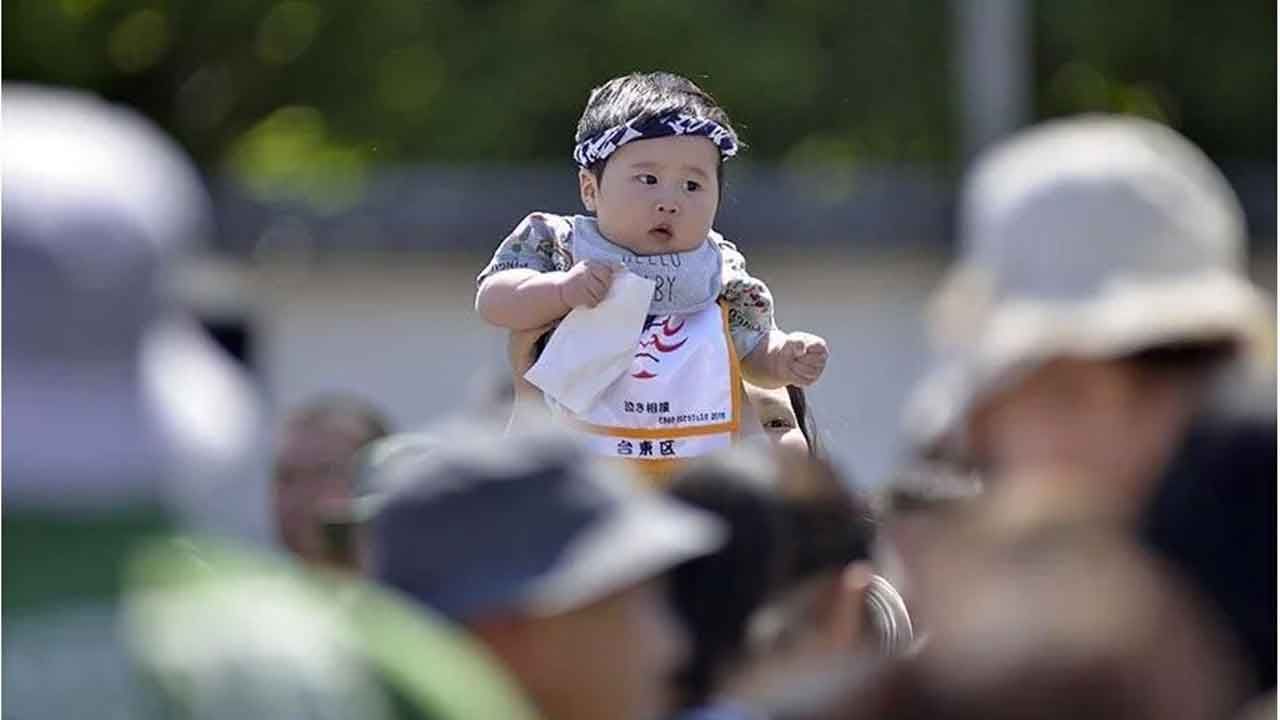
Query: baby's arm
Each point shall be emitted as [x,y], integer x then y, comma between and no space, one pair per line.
[531,280]
[771,358]
[522,299]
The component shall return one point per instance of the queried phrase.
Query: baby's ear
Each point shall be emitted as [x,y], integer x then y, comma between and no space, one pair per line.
[588,186]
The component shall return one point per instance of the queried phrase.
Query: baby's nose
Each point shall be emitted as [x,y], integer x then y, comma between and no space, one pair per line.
[668,208]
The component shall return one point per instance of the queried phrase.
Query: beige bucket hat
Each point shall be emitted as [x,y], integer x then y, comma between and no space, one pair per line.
[1094,236]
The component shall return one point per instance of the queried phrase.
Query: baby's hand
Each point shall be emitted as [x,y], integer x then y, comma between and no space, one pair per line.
[586,283]
[804,357]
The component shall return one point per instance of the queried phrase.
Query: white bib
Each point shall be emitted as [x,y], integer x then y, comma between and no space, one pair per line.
[679,400]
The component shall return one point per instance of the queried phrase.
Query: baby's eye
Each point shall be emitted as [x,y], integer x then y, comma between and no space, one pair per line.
[647,179]
[779,424]
[692,185]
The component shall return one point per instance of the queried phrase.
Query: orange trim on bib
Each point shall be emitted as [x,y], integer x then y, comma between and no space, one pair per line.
[653,473]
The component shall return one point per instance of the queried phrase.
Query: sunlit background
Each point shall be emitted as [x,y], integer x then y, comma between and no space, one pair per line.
[367,157]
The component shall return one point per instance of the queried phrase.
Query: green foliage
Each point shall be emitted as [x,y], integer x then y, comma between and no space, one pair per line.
[1208,69]
[304,96]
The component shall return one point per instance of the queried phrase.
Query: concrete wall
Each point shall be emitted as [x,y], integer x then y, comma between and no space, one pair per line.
[400,330]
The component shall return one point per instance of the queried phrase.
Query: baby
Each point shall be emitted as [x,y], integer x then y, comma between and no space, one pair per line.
[651,150]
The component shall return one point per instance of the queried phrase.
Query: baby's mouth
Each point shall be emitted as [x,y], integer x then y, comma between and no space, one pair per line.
[662,232]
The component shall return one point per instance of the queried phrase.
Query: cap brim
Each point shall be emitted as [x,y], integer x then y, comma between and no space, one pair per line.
[376,478]
[641,540]
[140,438]
[1126,317]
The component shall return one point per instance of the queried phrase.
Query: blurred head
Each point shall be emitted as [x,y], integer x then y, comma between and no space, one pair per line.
[1073,622]
[916,508]
[98,206]
[613,657]
[1101,279]
[560,572]
[1108,426]
[314,473]
[791,577]
[657,194]
[1214,518]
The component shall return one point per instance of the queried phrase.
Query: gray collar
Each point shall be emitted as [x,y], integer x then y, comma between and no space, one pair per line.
[684,282]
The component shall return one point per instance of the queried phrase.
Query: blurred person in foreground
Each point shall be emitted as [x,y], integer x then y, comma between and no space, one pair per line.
[99,210]
[287,640]
[314,477]
[791,595]
[1069,621]
[1090,332]
[551,559]
[128,452]
[1065,622]
[916,508]
[121,418]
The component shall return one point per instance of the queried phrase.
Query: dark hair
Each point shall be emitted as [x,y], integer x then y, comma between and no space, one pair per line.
[1214,517]
[715,595]
[805,420]
[644,96]
[789,520]
[341,407]
[1194,356]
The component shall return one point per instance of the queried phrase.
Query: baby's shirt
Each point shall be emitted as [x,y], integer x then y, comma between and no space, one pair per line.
[544,242]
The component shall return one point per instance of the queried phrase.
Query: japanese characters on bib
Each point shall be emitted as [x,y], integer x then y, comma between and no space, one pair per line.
[679,400]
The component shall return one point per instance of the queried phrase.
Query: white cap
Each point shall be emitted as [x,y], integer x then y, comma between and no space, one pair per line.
[113,396]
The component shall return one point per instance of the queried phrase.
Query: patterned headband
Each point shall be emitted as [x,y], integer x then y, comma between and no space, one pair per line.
[603,144]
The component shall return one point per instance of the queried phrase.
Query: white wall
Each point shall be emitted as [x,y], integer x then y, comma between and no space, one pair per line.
[403,334]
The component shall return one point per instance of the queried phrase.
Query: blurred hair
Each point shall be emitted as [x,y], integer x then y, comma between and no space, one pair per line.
[927,485]
[342,407]
[1213,517]
[641,96]
[490,396]
[339,531]
[790,519]
[1190,357]
[1071,622]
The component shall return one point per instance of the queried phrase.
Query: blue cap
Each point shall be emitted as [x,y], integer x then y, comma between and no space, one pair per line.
[530,524]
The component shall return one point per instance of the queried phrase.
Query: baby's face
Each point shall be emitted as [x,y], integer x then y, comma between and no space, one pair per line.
[656,196]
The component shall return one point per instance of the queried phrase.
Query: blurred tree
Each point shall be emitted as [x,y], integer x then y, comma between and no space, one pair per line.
[303,96]
[1207,69]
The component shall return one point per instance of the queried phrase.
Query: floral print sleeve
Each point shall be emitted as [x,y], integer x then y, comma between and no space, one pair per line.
[749,300]
[540,242]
